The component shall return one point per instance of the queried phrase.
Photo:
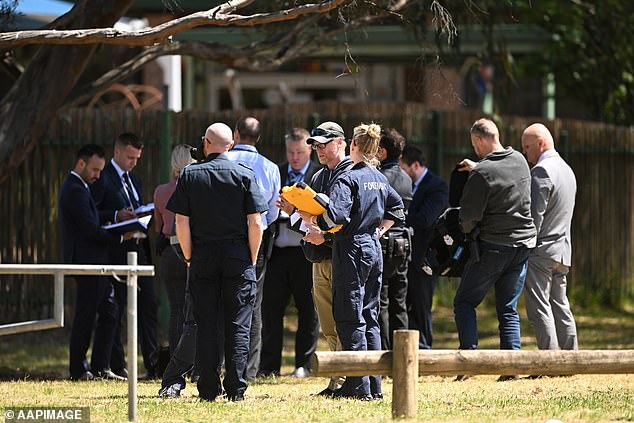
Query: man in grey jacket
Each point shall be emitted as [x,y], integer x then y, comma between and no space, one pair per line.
[495,211]
[553,190]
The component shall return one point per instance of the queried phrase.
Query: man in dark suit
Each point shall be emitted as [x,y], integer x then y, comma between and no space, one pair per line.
[85,242]
[289,273]
[430,197]
[117,194]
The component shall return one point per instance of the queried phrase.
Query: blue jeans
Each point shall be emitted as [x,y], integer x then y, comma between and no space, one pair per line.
[504,268]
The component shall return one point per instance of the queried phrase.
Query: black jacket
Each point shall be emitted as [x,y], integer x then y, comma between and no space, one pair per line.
[428,202]
[110,196]
[83,239]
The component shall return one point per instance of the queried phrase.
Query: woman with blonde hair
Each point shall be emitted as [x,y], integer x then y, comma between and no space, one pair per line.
[361,200]
[172,271]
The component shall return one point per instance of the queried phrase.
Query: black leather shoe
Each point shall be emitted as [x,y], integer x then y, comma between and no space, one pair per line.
[378,396]
[108,374]
[236,397]
[326,393]
[506,378]
[361,397]
[123,372]
[87,375]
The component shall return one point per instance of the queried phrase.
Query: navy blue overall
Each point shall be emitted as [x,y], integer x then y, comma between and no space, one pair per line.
[359,199]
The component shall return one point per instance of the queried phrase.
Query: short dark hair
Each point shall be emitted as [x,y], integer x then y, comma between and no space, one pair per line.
[297,134]
[412,154]
[393,142]
[249,128]
[89,150]
[128,138]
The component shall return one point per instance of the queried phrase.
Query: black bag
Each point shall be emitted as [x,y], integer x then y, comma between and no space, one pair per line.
[448,247]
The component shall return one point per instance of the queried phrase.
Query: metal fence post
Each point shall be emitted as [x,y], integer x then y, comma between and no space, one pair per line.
[132,336]
[404,373]
[58,304]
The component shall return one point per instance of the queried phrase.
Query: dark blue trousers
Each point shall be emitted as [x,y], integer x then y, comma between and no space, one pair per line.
[503,268]
[94,302]
[184,350]
[393,310]
[420,297]
[288,273]
[222,273]
[357,264]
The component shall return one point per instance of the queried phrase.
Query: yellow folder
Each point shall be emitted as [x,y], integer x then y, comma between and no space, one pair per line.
[306,199]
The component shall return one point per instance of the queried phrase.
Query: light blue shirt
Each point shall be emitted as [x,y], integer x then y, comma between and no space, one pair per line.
[267,175]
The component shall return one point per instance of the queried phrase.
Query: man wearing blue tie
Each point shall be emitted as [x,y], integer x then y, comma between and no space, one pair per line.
[117,194]
[289,273]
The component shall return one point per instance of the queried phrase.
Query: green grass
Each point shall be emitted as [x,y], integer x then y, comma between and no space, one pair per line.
[32,367]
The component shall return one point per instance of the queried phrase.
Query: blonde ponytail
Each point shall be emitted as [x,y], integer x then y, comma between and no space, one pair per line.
[367,139]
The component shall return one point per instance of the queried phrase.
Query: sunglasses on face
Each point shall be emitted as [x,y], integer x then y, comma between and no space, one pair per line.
[320,146]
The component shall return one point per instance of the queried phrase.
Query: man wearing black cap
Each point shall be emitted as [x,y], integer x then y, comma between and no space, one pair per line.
[328,140]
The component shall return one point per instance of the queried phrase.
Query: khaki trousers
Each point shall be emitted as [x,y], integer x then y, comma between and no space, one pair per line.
[322,297]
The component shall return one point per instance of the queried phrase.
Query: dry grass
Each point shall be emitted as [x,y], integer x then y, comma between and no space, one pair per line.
[33,366]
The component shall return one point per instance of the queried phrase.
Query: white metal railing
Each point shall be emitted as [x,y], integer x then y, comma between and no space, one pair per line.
[131,271]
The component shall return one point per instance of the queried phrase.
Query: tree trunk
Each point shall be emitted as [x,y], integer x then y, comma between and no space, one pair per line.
[33,101]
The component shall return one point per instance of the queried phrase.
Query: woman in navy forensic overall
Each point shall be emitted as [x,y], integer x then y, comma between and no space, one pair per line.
[361,200]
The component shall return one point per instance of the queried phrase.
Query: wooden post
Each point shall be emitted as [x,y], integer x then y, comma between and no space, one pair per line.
[404,373]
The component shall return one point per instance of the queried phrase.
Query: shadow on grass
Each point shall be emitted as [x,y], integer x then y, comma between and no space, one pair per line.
[43,356]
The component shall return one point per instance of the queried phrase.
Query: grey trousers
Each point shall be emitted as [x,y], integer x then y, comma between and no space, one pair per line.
[547,304]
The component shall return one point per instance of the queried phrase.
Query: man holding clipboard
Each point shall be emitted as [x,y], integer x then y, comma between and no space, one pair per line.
[85,242]
[117,194]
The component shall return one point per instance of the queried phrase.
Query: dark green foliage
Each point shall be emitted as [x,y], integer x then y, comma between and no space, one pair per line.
[591,54]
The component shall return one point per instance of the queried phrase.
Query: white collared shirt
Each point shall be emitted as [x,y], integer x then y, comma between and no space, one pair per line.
[125,187]
[72,172]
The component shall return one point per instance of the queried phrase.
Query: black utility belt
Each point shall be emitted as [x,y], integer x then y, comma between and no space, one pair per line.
[396,245]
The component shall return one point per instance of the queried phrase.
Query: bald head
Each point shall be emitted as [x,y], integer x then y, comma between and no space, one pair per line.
[535,140]
[485,137]
[219,138]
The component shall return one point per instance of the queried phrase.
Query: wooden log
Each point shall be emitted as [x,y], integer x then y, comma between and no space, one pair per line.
[352,363]
[479,362]
[405,373]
